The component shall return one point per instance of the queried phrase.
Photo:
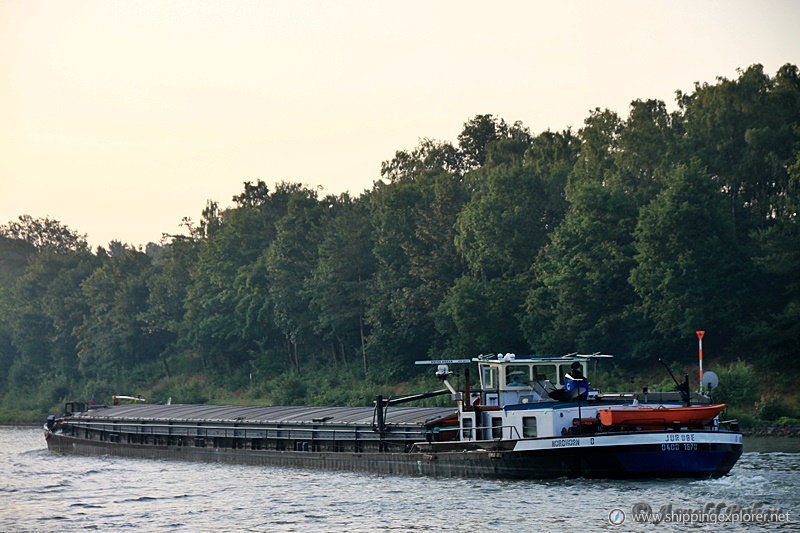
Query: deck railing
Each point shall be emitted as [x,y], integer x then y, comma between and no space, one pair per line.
[276,432]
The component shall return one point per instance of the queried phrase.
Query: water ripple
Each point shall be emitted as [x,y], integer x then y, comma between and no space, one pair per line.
[50,492]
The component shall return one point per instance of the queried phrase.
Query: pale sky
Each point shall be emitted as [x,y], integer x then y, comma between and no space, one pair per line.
[119,118]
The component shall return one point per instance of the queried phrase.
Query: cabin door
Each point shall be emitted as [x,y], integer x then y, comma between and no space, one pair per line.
[467,426]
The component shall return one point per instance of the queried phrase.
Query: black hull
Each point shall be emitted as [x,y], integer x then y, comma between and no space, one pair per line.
[462,459]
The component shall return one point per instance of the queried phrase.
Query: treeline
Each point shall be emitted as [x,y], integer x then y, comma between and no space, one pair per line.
[624,237]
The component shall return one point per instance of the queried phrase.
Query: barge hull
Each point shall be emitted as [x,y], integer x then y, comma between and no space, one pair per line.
[456,459]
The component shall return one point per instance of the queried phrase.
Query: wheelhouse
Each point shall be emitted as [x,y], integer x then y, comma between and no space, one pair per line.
[508,379]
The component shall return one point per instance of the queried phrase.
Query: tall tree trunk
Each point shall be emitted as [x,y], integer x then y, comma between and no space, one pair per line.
[344,352]
[363,344]
[166,366]
[288,349]
[333,355]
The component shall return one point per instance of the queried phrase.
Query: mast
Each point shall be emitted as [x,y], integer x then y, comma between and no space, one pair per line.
[700,353]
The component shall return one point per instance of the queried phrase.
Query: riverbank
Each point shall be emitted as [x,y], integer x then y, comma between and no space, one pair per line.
[773,430]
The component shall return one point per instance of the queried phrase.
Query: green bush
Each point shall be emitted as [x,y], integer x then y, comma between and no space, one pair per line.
[289,391]
[179,392]
[610,379]
[788,421]
[772,408]
[101,390]
[20,416]
[190,393]
[57,392]
[746,420]
[738,385]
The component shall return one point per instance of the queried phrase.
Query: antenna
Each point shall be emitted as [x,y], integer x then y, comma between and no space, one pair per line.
[683,388]
[442,372]
[443,362]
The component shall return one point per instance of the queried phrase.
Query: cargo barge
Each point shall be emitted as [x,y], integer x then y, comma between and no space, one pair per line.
[533,417]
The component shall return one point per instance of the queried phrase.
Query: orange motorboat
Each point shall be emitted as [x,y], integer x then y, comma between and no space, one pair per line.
[659,417]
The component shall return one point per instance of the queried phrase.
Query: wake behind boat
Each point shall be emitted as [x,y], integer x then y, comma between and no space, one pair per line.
[533,417]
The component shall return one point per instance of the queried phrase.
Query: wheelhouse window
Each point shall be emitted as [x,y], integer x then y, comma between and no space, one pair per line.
[467,431]
[518,375]
[489,377]
[497,427]
[528,427]
[548,372]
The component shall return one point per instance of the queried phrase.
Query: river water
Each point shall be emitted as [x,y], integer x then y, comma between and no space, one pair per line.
[41,491]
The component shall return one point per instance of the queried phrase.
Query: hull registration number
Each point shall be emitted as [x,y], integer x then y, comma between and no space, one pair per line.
[676,447]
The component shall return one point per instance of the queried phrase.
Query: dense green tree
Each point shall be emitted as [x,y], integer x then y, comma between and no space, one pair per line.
[480,133]
[44,234]
[518,199]
[255,308]
[339,284]
[580,298]
[428,156]
[407,252]
[209,325]
[481,316]
[168,284]
[42,264]
[434,261]
[114,336]
[396,327]
[774,333]
[690,271]
[502,228]
[599,140]
[413,222]
[553,155]
[647,148]
[43,308]
[290,261]
[14,257]
[226,303]
[746,132]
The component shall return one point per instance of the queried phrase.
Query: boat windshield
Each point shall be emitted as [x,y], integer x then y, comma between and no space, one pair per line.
[546,372]
[518,375]
[489,377]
